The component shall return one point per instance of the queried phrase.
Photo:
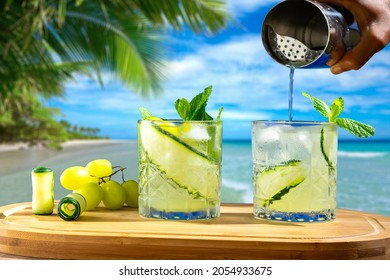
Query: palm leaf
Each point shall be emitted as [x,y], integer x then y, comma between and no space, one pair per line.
[132,52]
[202,16]
[44,43]
[122,36]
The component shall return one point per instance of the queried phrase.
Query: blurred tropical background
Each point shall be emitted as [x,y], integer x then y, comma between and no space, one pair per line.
[46,44]
[81,69]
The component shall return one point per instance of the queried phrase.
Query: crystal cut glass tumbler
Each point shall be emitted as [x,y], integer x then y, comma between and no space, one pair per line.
[294,170]
[179,169]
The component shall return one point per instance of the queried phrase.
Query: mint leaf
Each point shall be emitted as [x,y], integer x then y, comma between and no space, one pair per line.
[336,108]
[195,110]
[319,105]
[356,128]
[198,105]
[182,107]
[145,114]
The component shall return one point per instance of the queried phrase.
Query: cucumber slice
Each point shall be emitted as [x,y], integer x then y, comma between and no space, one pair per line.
[175,136]
[42,191]
[275,182]
[328,145]
[189,168]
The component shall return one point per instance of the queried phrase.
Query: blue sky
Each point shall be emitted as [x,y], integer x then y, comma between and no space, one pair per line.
[246,82]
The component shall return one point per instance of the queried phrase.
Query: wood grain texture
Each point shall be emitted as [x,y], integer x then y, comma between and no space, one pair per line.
[123,234]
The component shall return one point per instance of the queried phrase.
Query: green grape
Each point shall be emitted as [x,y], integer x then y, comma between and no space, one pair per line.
[92,193]
[74,177]
[114,195]
[99,168]
[131,188]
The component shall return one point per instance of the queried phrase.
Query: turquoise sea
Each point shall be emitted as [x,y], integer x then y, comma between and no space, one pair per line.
[363,179]
[363,174]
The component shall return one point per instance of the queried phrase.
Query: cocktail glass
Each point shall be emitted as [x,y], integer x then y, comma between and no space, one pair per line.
[179,169]
[294,170]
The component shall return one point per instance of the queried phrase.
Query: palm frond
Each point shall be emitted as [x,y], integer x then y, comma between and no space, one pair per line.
[202,16]
[124,46]
[122,36]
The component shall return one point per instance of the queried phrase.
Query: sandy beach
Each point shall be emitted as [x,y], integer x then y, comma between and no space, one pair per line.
[7,147]
[17,161]
[20,155]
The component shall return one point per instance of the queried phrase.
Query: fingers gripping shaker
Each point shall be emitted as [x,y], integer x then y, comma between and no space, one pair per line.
[306,34]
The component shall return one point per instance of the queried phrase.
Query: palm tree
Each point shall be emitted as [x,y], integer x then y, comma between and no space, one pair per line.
[43,43]
[122,36]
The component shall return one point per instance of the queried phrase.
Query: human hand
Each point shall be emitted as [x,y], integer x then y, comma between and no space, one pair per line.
[373,19]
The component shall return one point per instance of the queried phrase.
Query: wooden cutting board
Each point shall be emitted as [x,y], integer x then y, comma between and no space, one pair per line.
[123,234]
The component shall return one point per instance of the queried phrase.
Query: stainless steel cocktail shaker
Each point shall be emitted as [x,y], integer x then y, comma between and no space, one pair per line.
[306,34]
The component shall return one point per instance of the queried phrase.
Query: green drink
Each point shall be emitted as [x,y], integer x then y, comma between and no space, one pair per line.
[179,169]
[294,170]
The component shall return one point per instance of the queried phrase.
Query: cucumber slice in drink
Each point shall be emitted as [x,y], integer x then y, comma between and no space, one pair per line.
[328,145]
[274,183]
[182,163]
[196,136]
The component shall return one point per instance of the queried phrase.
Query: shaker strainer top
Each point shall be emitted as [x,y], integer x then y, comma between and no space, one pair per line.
[289,50]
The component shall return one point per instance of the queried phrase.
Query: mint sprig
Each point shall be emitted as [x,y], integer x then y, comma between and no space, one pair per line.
[195,110]
[356,128]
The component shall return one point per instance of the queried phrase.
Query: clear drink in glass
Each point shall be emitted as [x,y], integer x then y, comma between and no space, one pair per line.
[179,169]
[294,170]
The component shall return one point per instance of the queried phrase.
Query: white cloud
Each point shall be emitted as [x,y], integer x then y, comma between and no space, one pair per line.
[242,74]
[243,50]
[181,68]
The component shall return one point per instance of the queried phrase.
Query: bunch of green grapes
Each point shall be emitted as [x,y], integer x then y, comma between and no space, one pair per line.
[94,182]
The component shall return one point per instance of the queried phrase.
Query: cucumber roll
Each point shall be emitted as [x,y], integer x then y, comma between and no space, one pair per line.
[42,190]
[71,206]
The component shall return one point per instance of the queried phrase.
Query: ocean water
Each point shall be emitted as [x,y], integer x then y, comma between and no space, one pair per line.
[363,175]
[363,181]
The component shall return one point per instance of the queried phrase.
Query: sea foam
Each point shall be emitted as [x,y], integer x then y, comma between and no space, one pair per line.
[361,154]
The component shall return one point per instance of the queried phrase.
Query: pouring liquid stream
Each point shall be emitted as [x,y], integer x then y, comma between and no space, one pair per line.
[292,53]
[290,94]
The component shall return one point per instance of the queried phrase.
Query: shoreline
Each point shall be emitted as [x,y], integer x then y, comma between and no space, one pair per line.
[17,161]
[19,156]
[20,146]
